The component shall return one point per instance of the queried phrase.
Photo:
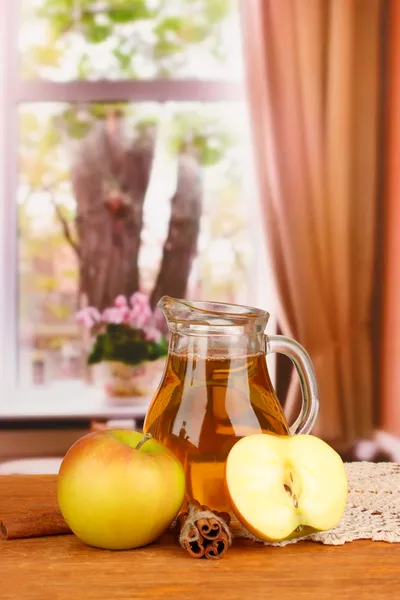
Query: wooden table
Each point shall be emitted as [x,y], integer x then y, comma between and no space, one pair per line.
[58,568]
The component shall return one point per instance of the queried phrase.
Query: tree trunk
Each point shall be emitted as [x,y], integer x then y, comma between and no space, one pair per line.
[180,246]
[110,182]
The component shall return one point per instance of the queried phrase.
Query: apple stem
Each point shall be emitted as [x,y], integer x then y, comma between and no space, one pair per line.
[145,438]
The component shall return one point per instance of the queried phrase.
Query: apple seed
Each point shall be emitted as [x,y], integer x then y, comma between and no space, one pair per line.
[290,492]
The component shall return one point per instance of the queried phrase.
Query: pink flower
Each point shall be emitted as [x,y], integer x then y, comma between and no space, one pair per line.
[114,315]
[121,301]
[85,320]
[88,316]
[139,320]
[126,314]
[139,299]
[140,314]
[119,313]
[152,334]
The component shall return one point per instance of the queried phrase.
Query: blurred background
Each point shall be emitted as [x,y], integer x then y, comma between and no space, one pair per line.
[242,152]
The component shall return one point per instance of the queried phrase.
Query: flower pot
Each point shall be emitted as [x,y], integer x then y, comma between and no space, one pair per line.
[128,384]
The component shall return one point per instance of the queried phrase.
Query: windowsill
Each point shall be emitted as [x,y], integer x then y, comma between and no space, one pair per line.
[68,400]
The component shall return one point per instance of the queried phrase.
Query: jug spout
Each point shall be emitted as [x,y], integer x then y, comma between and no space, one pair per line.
[195,314]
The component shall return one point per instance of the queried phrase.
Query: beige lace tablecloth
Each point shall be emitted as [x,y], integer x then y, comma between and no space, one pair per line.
[372,512]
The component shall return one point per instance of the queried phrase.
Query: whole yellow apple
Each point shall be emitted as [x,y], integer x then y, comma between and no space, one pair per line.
[117,489]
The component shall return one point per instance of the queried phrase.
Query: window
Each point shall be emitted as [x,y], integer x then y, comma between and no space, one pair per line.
[167,72]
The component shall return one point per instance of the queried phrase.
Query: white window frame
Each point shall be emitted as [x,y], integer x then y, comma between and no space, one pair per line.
[18,91]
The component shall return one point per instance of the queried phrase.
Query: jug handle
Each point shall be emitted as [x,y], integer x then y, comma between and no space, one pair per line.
[308,382]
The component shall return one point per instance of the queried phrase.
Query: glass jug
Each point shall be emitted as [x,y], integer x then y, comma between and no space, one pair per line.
[216,389]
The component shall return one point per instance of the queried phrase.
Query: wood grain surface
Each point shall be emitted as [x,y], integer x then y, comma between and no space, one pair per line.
[61,567]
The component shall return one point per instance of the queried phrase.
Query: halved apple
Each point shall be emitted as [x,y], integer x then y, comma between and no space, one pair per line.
[282,487]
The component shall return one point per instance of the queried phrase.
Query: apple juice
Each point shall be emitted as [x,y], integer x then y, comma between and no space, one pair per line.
[204,406]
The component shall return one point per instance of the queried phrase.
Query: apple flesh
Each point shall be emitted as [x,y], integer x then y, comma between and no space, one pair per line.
[117,489]
[282,487]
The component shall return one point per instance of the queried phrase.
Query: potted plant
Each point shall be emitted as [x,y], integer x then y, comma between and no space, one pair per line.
[127,345]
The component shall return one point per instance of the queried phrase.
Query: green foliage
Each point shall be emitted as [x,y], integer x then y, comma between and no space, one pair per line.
[98,33]
[217,10]
[75,123]
[124,344]
[121,15]
[39,140]
[183,30]
[47,55]
[124,60]
[176,26]
[207,133]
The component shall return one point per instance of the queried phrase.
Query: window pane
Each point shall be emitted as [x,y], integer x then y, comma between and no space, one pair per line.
[62,40]
[85,172]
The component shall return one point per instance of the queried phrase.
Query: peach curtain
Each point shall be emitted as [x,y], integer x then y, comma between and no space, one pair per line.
[313,69]
[390,414]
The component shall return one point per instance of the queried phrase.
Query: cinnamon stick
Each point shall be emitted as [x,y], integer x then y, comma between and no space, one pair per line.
[209,528]
[206,536]
[218,547]
[195,548]
[34,523]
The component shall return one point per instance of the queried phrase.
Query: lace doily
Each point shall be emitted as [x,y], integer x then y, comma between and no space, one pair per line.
[372,512]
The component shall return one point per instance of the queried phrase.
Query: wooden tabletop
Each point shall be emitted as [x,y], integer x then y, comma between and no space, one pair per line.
[61,567]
